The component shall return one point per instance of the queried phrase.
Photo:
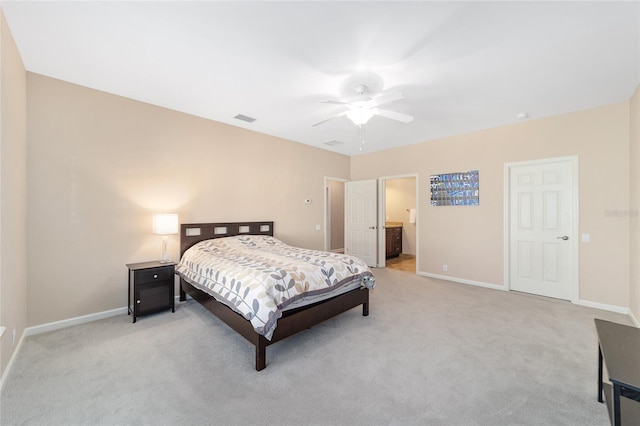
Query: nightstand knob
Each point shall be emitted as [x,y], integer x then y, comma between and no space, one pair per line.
[155,275]
[138,301]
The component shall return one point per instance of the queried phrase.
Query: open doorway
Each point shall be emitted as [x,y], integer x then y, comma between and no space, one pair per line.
[399,210]
[398,216]
[334,214]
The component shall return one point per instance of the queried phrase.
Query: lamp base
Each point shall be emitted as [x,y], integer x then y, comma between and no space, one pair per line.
[165,254]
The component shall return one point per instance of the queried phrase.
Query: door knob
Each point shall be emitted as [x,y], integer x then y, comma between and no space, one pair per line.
[564,238]
[372,227]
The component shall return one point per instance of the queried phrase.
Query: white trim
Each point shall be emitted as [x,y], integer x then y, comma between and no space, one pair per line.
[403,176]
[506,226]
[575,167]
[603,307]
[585,303]
[2,329]
[14,356]
[381,243]
[327,217]
[57,325]
[463,281]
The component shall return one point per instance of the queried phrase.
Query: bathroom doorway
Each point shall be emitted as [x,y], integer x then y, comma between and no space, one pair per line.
[400,212]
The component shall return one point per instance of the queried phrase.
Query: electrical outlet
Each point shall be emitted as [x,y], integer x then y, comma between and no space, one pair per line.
[445,267]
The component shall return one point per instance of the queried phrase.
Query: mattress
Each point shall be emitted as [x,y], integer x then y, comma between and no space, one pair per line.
[260,276]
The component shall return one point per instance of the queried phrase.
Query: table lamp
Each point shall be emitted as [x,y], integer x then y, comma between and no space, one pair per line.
[165,224]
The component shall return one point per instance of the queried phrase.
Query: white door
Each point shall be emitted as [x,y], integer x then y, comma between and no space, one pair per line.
[360,220]
[543,228]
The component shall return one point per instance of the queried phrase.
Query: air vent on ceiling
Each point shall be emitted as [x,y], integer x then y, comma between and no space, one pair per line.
[245,118]
[334,143]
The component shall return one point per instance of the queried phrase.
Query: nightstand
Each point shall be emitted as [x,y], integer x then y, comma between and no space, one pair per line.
[151,288]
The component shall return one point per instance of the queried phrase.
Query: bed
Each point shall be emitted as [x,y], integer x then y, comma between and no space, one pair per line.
[293,312]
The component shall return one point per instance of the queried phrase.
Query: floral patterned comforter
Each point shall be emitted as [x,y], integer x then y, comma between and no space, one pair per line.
[258,276]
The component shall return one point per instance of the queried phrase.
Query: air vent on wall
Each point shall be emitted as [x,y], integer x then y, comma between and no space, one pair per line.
[334,143]
[245,118]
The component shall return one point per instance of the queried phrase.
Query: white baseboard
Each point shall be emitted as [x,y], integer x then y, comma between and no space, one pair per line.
[603,306]
[30,331]
[462,281]
[38,329]
[57,325]
[5,374]
[586,303]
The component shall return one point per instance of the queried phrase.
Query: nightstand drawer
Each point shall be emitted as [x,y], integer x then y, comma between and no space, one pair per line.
[153,275]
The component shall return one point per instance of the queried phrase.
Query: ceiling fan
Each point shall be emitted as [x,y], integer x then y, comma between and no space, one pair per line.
[363,107]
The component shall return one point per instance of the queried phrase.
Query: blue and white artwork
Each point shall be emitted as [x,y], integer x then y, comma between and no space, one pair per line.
[455,189]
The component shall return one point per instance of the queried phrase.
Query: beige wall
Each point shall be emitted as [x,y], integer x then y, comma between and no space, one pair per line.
[634,160]
[470,239]
[400,196]
[13,194]
[101,165]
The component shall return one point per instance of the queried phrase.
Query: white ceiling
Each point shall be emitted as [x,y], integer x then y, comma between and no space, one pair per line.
[462,66]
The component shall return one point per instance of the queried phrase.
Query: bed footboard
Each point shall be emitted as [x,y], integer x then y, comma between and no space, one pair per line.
[291,322]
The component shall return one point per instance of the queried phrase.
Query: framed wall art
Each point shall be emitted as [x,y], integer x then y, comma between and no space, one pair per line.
[455,189]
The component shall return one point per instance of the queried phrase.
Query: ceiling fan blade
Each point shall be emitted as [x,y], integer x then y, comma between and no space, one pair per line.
[330,118]
[335,102]
[398,116]
[385,99]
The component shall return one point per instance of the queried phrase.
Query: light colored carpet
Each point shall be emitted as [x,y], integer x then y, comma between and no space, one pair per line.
[430,353]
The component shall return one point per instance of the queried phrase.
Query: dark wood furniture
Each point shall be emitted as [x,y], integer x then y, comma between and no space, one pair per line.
[292,321]
[151,288]
[619,352]
[393,241]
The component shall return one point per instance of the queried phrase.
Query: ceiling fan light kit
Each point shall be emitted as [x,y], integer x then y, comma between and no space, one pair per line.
[366,103]
[360,116]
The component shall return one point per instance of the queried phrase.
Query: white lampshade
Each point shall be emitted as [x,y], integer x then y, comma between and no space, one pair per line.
[165,224]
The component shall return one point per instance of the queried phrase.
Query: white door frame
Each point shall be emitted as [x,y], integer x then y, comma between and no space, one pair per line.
[382,215]
[327,218]
[327,205]
[575,267]
[382,210]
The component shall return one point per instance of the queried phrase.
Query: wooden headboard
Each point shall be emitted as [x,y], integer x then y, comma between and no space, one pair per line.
[192,233]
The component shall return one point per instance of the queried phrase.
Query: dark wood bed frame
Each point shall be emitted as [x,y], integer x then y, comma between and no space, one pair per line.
[292,321]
